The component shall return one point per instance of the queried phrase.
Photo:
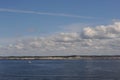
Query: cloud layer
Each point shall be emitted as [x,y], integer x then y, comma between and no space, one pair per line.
[99,40]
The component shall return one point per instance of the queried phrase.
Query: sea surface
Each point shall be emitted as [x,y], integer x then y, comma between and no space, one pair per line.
[59,69]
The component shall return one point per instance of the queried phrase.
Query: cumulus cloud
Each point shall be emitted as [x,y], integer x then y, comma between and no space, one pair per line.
[102,32]
[99,40]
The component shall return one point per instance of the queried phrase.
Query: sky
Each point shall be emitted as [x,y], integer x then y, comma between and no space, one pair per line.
[59,27]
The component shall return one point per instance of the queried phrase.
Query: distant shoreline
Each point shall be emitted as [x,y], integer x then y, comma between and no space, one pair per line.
[71,57]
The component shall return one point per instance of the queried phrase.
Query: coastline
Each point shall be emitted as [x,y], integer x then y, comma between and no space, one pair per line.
[71,57]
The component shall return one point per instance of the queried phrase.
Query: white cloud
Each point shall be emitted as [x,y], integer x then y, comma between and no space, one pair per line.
[44,13]
[100,40]
[108,31]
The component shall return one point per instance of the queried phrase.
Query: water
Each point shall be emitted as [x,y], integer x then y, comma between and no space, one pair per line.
[59,69]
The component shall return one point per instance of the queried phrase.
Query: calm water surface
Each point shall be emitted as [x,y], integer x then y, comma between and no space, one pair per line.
[59,69]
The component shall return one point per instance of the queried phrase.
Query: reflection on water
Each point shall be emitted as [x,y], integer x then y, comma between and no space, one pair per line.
[59,70]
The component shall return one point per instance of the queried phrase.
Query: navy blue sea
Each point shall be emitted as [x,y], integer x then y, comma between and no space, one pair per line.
[59,69]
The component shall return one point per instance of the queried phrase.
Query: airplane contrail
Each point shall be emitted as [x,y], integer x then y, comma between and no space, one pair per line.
[43,13]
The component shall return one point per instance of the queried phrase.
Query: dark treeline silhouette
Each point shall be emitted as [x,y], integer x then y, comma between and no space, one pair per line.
[63,57]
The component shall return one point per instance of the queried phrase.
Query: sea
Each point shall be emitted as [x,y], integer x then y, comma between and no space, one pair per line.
[60,69]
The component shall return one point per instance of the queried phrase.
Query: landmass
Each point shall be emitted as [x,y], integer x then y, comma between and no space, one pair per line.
[74,57]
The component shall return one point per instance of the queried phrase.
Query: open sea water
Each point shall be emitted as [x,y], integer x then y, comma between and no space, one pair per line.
[59,69]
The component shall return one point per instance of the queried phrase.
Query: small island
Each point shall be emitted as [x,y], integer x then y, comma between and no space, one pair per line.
[71,57]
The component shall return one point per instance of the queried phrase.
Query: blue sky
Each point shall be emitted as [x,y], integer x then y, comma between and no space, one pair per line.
[52,27]
[13,24]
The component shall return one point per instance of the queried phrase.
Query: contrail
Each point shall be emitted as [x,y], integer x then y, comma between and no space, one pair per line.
[43,13]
